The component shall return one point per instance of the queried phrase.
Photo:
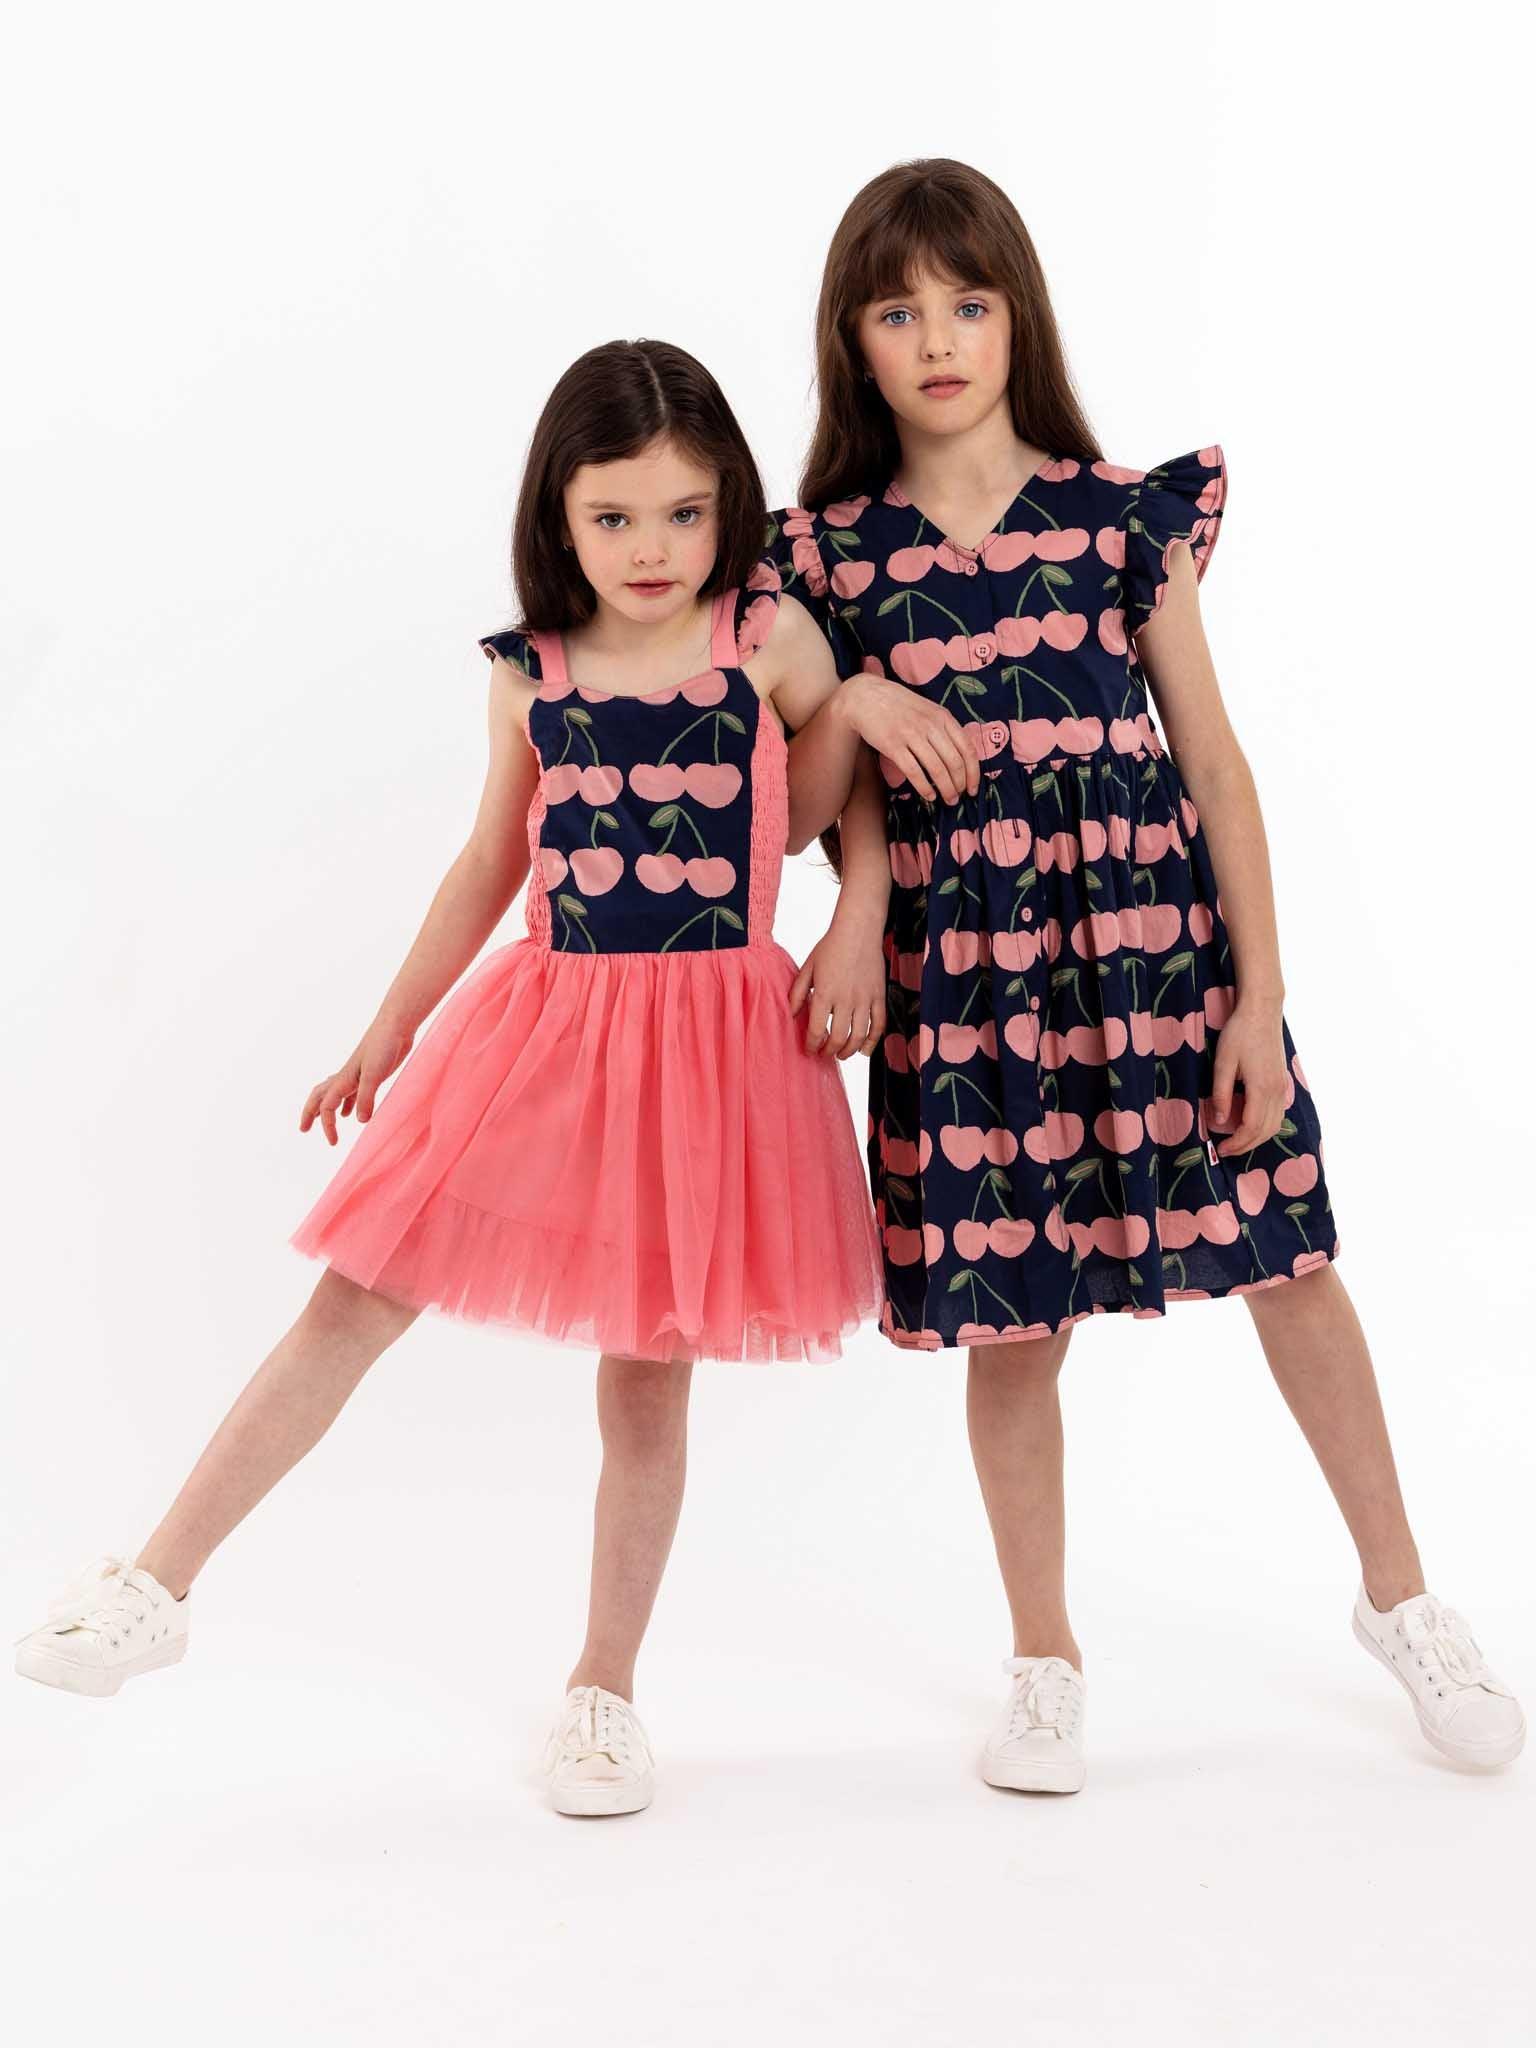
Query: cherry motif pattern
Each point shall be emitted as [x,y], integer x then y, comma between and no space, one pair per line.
[1041,1140]
[645,840]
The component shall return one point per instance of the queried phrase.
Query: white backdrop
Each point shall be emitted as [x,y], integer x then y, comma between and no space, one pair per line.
[288,288]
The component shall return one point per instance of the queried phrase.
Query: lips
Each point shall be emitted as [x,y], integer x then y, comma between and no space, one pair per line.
[943,385]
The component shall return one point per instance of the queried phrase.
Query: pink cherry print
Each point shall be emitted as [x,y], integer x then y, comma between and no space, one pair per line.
[1063,545]
[922,1047]
[806,557]
[1201,923]
[1114,473]
[798,522]
[957,1042]
[600,785]
[1014,951]
[909,565]
[1170,1119]
[903,1247]
[658,784]
[1109,542]
[596,868]
[1056,1228]
[970,1238]
[1010,1235]
[1119,835]
[999,1146]
[917,661]
[1004,551]
[710,876]
[1021,1034]
[764,576]
[660,872]
[712,783]
[756,623]
[977,1333]
[845,511]
[1006,841]
[1161,925]
[983,650]
[1017,636]
[960,951]
[1061,471]
[561,781]
[1123,736]
[1112,632]
[962,1145]
[852,579]
[1296,1069]
[1252,1190]
[963,841]
[552,865]
[901,1156]
[1118,1130]
[1190,816]
[924,1150]
[1064,630]
[907,970]
[933,1243]
[894,1047]
[1092,838]
[1218,1222]
[1218,1003]
[955,560]
[1296,1176]
[1032,738]
[710,687]
[1080,735]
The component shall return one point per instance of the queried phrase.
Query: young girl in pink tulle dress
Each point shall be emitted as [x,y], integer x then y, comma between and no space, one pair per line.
[623,1130]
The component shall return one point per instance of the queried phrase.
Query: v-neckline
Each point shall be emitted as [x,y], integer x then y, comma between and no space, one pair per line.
[959,546]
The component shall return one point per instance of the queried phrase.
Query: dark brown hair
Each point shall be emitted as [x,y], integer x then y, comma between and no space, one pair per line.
[929,214]
[943,216]
[611,403]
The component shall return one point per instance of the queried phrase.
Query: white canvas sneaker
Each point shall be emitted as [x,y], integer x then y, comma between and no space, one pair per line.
[1464,1709]
[110,1624]
[1037,1744]
[597,1759]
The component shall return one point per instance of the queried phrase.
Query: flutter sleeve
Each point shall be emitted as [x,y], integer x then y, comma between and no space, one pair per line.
[812,557]
[1179,500]
[513,647]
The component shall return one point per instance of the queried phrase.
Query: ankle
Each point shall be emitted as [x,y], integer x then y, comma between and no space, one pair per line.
[178,1584]
[1053,1642]
[612,1678]
[1386,1590]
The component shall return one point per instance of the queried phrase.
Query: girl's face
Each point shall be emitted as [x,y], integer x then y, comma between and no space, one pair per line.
[645,530]
[939,353]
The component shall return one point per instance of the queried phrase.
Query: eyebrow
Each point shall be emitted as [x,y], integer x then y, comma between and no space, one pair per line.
[617,505]
[957,291]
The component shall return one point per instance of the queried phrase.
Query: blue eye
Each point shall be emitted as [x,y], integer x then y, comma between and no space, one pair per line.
[690,513]
[972,305]
[896,313]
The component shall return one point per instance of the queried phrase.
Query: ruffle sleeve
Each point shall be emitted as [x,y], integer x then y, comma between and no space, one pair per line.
[757,606]
[1179,500]
[799,547]
[514,647]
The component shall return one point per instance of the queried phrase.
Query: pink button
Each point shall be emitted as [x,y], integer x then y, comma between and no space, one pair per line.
[970,568]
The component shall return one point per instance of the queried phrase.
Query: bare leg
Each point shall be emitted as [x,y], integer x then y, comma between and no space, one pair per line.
[284,1410]
[642,1411]
[1317,1352]
[1014,1414]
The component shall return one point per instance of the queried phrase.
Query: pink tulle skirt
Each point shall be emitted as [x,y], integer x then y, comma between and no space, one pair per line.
[633,1152]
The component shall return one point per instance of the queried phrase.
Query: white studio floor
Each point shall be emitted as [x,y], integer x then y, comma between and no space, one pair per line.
[325,1824]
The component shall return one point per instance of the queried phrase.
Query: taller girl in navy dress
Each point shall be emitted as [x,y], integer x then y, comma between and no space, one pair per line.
[1087,1099]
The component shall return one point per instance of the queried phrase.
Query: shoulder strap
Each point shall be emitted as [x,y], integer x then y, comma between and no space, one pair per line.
[722,631]
[550,648]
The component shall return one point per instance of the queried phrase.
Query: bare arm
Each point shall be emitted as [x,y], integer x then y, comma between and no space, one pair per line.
[470,902]
[1177,659]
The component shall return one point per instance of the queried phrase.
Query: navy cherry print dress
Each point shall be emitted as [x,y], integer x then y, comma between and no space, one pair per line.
[1058,971]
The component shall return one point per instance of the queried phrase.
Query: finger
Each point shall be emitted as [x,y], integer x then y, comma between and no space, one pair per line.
[800,987]
[938,768]
[1257,1123]
[876,1026]
[1222,1079]
[961,758]
[346,1107]
[913,770]
[365,1095]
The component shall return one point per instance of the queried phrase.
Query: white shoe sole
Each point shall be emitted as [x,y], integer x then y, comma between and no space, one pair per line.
[91,1681]
[590,1802]
[1487,1754]
[1033,1775]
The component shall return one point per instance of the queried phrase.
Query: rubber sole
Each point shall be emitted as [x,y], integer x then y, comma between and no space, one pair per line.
[1039,1776]
[1487,1756]
[594,1802]
[94,1682]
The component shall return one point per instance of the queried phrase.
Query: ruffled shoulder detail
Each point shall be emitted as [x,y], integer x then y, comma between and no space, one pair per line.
[756,607]
[514,647]
[819,557]
[1179,500]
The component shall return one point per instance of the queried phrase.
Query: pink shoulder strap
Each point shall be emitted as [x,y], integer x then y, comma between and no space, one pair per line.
[722,632]
[550,648]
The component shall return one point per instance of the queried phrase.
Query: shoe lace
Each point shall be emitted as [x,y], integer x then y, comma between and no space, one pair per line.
[1046,1694]
[127,1596]
[1438,1633]
[600,1724]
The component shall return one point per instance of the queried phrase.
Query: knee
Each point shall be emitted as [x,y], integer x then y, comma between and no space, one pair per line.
[342,1311]
[642,1405]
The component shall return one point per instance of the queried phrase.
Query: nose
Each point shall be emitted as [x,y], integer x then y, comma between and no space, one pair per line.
[650,550]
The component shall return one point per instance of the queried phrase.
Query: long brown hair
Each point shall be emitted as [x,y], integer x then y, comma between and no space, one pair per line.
[611,403]
[936,214]
[943,216]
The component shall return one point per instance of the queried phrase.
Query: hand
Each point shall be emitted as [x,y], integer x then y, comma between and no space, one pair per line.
[843,981]
[918,737]
[382,1048]
[1250,1052]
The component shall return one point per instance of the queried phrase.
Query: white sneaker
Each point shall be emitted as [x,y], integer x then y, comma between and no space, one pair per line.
[1464,1709]
[110,1624]
[1037,1745]
[598,1759]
